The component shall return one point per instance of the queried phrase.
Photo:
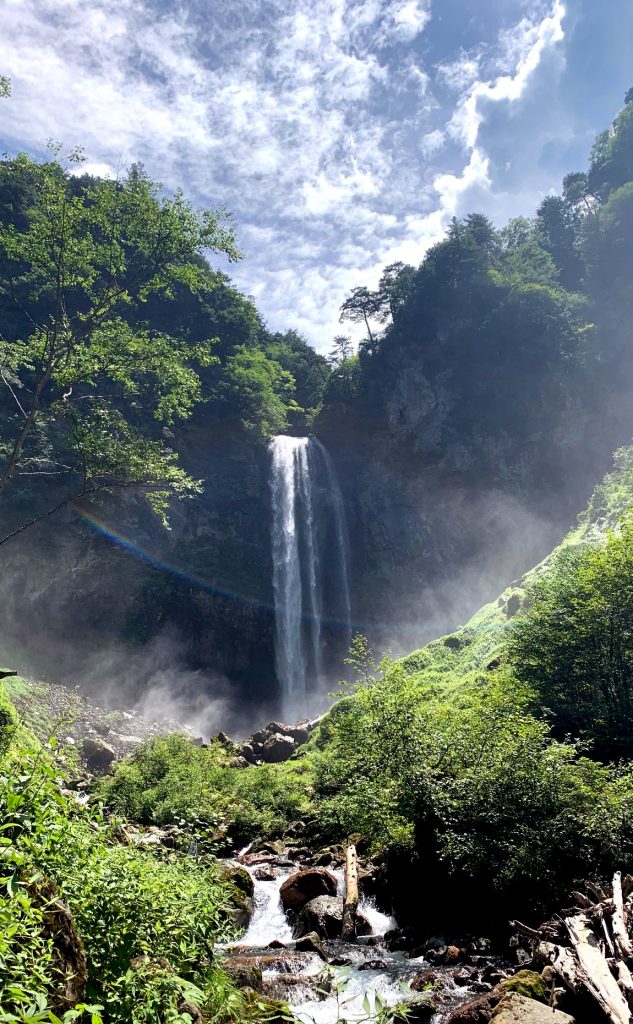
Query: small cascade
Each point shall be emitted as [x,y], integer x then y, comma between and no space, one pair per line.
[363,978]
[310,567]
[268,921]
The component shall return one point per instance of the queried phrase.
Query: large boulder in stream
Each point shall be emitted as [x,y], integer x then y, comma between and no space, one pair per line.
[324,915]
[242,890]
[304,886]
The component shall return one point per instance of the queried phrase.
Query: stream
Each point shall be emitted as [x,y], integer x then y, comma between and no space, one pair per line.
[359,978]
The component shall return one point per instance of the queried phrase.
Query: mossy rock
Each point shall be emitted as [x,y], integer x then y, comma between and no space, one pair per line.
[528,984]
[261,1008]
[236,876]
[241,888]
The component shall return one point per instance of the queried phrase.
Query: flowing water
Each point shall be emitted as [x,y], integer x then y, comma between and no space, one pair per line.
[371,976]
[310,563]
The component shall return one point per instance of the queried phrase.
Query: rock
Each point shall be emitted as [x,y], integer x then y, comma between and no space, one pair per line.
[476,1011]
[450,955]
[244,973]
[275,944]
[324,859]
[225,740]
[277,748]
[464,976]
[324,915]
[264,874]
[247,751]
[239,762]
[306,885]
[311,943]
[524,984]
[243,889]
[424,980]
[373,965]
[98,754]
[528,984]
[516,1009]
[299,853]
[367,883]
[422,1009]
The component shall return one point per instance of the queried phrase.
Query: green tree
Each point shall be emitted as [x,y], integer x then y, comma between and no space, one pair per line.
[259,391]
[93,387]
[5,87]
[393,289]
[574,645]
[341,350]
[362,306]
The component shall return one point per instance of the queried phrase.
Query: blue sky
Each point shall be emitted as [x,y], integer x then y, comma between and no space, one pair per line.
[343,135]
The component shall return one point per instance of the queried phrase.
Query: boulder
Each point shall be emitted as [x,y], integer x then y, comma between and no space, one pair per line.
[243,888]
[424,981]
[516,1009]
[527,985]
[324,915]
[422,1009]
[277,748]
[98,754]
[244,973]
[247,751]
[306,885]
[311,943]
[264,874]
[239,762]
[476,1011]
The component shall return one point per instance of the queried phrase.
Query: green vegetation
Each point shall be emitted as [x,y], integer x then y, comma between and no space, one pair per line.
[93,928]
[115,329]
[170,780]
[574,645]
[7,723]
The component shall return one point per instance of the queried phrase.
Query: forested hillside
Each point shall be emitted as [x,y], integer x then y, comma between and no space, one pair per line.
[502,373]
[491,389]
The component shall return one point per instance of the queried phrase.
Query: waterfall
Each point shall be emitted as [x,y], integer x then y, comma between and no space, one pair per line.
[309,551]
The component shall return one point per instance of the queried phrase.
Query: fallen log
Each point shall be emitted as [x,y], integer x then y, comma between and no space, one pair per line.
[350,905]
[619,921]
[594,972]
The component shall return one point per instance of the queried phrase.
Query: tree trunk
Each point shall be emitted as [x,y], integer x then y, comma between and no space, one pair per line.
[350,906]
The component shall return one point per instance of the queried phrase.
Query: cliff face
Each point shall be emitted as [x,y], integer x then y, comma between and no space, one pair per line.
[109,599]
[437,521]
[88,593]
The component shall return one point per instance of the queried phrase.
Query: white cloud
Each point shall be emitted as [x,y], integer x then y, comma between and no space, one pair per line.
[527,43]
[314,123]
[432,142]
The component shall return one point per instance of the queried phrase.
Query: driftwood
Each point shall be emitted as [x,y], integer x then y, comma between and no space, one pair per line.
[350,905]
[590,949]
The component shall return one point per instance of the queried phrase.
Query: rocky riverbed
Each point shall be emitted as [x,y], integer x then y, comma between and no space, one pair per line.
[290,950]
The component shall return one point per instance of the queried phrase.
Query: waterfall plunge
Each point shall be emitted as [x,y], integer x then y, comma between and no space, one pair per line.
[308,524]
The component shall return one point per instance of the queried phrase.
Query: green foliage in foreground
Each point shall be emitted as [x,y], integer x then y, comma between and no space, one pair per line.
[147,921]
[474,779]
[7,723]
[574,645]
[169,779]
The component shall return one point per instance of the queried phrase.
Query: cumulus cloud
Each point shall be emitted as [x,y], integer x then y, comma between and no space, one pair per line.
[319,125]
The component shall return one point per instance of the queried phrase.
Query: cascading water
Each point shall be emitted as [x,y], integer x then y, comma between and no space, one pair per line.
[310,565]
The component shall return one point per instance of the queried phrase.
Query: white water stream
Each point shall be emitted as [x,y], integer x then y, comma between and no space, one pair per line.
[309,545]
[353,988]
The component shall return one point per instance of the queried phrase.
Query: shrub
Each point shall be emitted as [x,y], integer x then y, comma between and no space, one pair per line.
[7,722]
[574,645]
[474,785]
[170,779]
[148,922]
